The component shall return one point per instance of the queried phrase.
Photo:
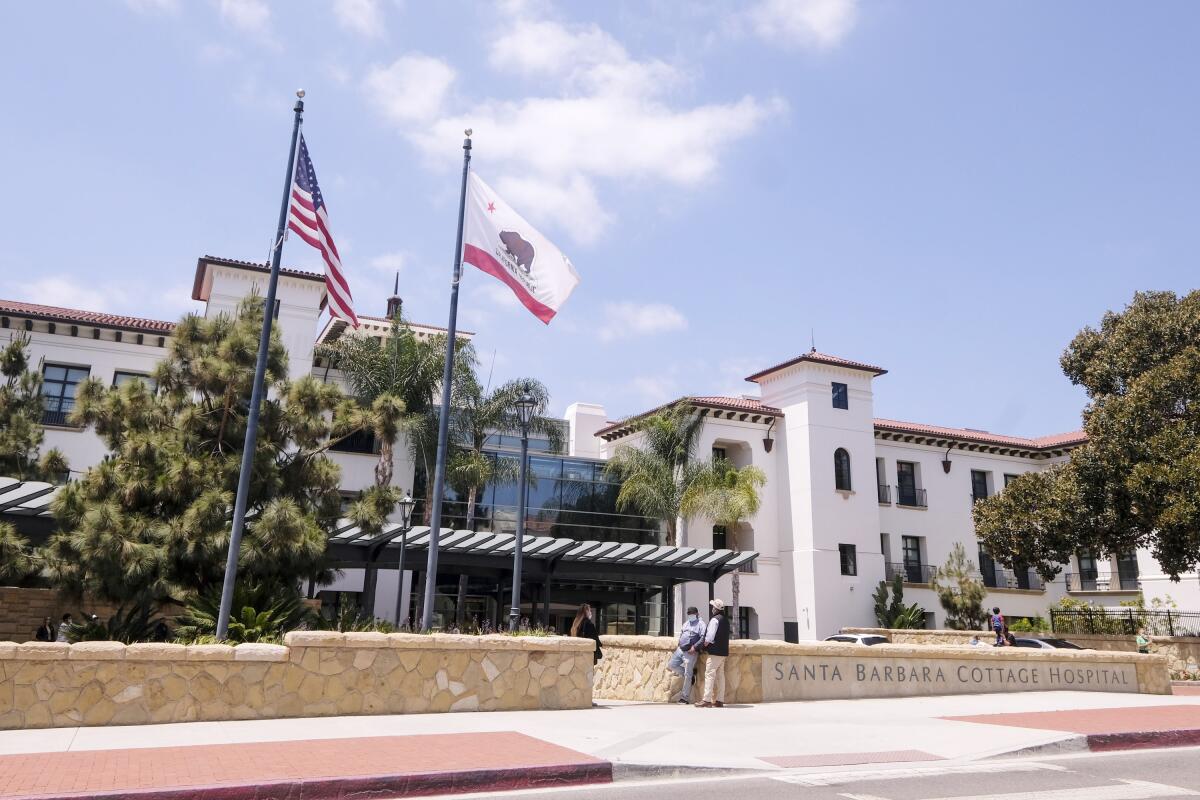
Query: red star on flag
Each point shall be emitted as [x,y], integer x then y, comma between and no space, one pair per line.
[491,208]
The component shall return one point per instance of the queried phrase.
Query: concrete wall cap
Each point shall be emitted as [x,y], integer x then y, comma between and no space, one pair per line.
[253,651]
[314,639]
[97,651]
[209,652]
[365,639]
[156,651]
[8,649]
[42,651]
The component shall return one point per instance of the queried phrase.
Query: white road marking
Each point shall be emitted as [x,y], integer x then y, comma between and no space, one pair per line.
[861,797]
[840,778]
[1125,790]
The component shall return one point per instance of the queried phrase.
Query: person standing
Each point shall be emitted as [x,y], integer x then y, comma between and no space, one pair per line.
[584,628]
[716,646]
[1143,641]
[45,633]
[998,626]
[683,660]
[63,628]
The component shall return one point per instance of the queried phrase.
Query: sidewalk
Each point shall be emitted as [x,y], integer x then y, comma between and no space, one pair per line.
[630,736]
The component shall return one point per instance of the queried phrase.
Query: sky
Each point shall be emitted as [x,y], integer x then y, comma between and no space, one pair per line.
[948,190]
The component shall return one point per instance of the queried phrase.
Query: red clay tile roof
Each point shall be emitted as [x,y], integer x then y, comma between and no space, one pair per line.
[819,358]
[747,404]
[95,318]
[984,437]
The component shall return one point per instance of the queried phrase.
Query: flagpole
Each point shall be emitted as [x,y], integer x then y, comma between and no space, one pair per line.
[256,394]
[439,470]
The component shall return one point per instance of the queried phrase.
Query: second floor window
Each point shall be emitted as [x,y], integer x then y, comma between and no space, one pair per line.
[720,538]
[841,396]
[849,558]
[979,485]
[841,469]
[59,384]
[122,378]
[906,483]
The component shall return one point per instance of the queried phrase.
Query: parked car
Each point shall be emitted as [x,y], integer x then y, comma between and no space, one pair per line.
[857,638]
[1048,644]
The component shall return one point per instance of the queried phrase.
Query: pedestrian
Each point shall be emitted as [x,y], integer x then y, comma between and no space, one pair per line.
[1009,639]
[716,647]
[998,626]
[63,628]
[45,633]
[683,660]
[584,628]
[1143,641]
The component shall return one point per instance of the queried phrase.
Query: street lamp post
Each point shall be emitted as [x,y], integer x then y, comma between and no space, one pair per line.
[406,509]
[525,408]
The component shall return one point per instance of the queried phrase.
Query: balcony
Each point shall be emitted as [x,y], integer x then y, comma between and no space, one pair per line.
[910,573]
[885,494]
[910,497]
[1095,581]
[357,442]
[1001,578]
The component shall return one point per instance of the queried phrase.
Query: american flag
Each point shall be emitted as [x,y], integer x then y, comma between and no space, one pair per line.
[308,218]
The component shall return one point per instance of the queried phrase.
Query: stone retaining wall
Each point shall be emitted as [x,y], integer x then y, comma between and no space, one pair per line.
[634,668]
[1182,652]
[45,685]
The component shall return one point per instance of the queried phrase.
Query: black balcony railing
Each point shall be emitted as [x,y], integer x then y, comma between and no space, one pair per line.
[910,496]
[910,573]
[885,493]
[1125,621]
[357,442]
[1001,578]
[57,417]
[1095,581]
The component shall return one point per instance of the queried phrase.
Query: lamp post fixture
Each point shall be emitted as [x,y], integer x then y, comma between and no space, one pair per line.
[525,408]
[406,509]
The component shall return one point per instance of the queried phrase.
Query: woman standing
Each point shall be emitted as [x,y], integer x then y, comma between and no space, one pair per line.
[584,628]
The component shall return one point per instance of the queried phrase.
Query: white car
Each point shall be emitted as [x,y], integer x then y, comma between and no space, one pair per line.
[1047,644]
[858,638]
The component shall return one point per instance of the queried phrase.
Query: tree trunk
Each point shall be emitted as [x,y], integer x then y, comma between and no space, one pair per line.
[384,467]
[735,624]
[460,601]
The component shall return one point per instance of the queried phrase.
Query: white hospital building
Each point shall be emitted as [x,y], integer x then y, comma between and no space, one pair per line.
[851,498]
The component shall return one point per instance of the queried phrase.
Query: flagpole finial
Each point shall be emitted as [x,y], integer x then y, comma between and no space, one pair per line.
[467,141]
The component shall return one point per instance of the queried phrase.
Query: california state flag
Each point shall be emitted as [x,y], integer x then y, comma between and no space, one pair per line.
[500,242]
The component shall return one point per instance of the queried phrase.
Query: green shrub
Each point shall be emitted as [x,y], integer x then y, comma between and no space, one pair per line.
[893,613]
[1029,625]
[133,622]
[282,610]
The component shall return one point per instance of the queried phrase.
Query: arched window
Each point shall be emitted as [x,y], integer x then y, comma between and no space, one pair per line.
[841,469]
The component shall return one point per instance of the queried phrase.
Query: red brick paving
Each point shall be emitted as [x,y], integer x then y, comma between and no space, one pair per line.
[842,759]
[325,768]
[1098,720]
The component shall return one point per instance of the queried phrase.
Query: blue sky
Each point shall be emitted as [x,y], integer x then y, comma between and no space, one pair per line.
[947,189]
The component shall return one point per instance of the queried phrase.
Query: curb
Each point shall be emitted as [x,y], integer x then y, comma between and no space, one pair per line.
[1108,742]
[365,786]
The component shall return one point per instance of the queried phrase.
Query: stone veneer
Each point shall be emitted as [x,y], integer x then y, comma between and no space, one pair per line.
[634,668]
[313,674]
[1182,652]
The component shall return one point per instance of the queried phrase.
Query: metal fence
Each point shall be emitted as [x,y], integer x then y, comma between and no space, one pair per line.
[1125,622]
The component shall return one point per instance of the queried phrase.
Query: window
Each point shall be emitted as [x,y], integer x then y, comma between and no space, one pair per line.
[979,485]
[849,559]
[718,453]
[841,469]
[841,396]
[907,493]
[1089,574]
[885,546]
[122,378]
[987,568]
[885,493]
[1127,570]
[1009,479]
[720,538]
[59,384]
[357,442]
[913,569]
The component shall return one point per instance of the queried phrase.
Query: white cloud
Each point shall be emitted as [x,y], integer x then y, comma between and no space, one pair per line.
[627,320]
[363,17]
[411,89]
[388,263]
[154,6]
[608,118]
[248,16]
[819,24]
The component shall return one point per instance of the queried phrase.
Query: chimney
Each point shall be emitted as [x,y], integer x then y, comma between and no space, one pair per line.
[394,302]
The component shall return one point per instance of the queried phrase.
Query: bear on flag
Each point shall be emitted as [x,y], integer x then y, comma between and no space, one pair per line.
[500,242]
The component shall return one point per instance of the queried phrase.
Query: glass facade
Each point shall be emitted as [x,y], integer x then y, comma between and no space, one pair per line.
[567,497]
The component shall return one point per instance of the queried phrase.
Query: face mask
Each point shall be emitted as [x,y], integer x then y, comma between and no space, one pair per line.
[691,617]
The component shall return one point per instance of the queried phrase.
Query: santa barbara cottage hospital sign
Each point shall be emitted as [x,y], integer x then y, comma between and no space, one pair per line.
[787,677]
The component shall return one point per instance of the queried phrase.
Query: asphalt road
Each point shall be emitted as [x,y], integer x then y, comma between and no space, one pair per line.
[1137,775]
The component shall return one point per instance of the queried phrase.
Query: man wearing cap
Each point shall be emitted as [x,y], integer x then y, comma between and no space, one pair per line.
[683,661]
[716,646]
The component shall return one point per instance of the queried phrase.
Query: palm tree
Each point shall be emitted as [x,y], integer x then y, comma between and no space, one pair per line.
[728,495]
[478,414]
[657,473]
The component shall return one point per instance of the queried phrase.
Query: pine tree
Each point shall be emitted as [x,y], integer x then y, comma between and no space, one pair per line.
[960,592]
[154,518]
[21,437]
